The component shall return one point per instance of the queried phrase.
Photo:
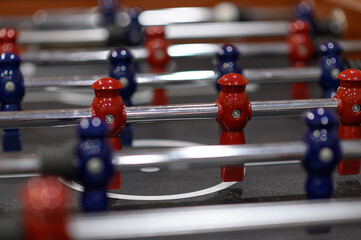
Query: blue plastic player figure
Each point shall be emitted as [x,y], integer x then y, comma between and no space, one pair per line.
[95,164]
[12,91]
[304,11]
[322,154]
[331,64]
[122,69]
[134,36]
[227,62]
[109,9]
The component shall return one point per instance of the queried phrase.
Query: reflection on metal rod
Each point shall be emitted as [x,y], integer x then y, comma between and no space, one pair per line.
[63,117]
[208,156]
[175,158]
[226,30]
[210,219]
[174,51]
[290,107]
[171,112]
[100,35]
[78,36]
[43,118]
[193,78]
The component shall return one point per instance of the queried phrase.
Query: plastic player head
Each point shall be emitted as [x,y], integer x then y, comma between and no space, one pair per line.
[233,114]
[8,43]
[331,65]
[300,43]
[122,68]
[109,107]
[300,52]
[12,91]
[157,47]
[134,36]
[95,164]
[304,11]
[349,98]
[227,62]
[44,205]
[158,58]
[108,9]
[323,152]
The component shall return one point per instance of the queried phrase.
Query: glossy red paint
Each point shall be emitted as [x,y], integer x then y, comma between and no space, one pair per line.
[234,112]
[349,98]
[44,202]
[158,58]
[8,39]
[107,102]
[301,51]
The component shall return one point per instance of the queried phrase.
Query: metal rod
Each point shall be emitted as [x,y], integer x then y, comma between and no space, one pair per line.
[350,46]
[140,53]
[69,36]
[193,78]
[100,35]
[290,107]
[66,117]
[174,51]
[171,112]
[43,118]
[217,155]
[210,219]
[178,158]
[90,17]
[226,30]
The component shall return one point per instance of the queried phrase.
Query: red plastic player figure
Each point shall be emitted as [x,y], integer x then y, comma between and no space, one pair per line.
[158,58]
[8,43]
[109,106]
[45,215]
[349,97]
[301,50]
[234,111]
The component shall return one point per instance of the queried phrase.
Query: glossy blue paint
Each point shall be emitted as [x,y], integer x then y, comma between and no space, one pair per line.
[227,62]
[323,152]
[95,166]
[122,69]
[12,91]
[331,64]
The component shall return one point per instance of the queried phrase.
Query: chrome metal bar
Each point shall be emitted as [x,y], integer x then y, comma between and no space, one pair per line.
[43,118]
[193,78]
[140,53]
[217,155]
[61,82]
[78,36]
[65,117]
[100,35]
[350,45]
[171,112]
[19,164]
[181,157]
[90,17]
[210,219]
[283,75]
[290,107]
[76,56]
[226,30]
[174,51]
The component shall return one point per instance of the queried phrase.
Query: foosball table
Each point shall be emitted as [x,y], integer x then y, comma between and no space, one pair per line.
[213,121]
